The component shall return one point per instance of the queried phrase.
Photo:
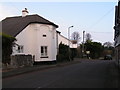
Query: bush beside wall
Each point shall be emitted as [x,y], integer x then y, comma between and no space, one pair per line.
[65,54]
[7,43]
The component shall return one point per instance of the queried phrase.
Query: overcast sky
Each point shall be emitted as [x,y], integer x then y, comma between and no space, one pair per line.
[96,18]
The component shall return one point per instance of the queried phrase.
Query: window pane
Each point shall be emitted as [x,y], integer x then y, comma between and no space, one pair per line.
[44,35]
[41,49]
[21,49]
[45,49]
[18,49]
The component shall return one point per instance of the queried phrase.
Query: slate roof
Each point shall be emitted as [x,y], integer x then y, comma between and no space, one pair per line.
[14,25]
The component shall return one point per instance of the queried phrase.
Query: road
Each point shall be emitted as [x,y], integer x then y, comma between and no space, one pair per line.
[86,74]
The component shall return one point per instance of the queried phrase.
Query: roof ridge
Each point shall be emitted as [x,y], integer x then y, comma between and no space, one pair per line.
[44,18]
[14,25]
[20,16]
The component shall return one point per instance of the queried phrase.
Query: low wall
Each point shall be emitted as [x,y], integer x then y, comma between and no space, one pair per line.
[21,60]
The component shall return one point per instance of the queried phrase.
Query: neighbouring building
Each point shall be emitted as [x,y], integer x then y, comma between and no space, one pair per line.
[117,33]
[65,40]
[35,35]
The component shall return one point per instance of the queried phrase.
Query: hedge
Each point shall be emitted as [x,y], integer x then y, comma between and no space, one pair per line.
[7,43]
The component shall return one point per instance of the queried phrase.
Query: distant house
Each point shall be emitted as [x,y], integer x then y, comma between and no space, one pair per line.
[65,40]
[117,33]
[35,35]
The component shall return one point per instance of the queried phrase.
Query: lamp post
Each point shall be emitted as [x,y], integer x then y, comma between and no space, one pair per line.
[69,35]
[83,43]
[69,39]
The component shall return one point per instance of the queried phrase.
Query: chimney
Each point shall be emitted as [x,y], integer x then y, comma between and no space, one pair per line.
[24,12]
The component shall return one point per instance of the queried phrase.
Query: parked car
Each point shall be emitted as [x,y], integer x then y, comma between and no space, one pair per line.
[108,57]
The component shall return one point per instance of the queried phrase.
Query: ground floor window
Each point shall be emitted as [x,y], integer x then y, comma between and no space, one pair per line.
[44,52]
[20,49]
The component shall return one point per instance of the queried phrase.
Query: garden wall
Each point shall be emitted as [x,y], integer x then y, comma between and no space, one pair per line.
[21,60]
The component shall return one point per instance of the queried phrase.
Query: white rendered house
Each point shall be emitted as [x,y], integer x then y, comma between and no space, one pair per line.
[35,35]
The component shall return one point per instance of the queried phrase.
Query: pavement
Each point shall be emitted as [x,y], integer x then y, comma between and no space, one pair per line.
[17,71]
[113,76]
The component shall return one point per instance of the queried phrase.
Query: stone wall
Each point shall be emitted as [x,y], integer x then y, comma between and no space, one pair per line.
[21,60]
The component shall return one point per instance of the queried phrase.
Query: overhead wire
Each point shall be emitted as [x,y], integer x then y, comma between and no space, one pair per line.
[99,20]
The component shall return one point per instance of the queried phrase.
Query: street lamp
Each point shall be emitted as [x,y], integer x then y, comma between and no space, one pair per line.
[69,40]
[83,42]
[69,35]
[83,35]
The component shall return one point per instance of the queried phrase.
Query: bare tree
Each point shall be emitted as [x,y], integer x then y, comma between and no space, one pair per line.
[75,37]
[107,44]
[88,37]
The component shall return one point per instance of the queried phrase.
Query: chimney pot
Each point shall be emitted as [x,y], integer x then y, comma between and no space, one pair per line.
[24,12]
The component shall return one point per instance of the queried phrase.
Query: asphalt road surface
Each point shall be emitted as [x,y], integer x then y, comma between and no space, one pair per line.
[86,74]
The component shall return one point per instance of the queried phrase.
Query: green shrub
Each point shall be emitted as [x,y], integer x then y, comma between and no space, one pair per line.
[64,53]
[60,58]
[73,53]
[7,43]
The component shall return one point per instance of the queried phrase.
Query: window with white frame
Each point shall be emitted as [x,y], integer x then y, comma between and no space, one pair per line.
[44,52]
[20,49]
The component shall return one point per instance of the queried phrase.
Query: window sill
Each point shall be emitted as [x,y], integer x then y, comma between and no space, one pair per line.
[44,57]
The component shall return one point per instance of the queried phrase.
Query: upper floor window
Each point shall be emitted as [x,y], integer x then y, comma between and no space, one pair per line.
[44,35]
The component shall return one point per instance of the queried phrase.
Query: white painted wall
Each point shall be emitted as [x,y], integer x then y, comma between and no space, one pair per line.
[65,41]
[62,39]
[32,39]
